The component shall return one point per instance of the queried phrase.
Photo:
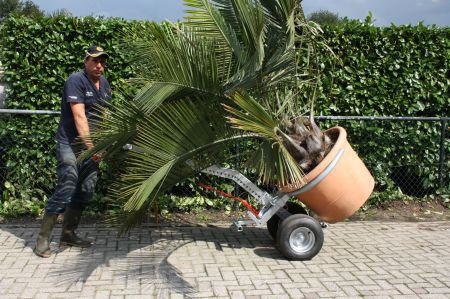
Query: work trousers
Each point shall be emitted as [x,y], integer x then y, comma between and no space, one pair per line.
[76,182]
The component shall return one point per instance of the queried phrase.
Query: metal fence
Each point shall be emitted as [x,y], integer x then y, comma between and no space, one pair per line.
[408,154]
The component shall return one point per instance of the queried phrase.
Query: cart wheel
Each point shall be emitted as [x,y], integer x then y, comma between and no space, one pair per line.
[300,237]
[274,222]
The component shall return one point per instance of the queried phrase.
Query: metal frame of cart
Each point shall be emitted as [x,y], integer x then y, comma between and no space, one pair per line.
[297,235]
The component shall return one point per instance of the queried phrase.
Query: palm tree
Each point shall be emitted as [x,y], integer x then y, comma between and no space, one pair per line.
[233,70]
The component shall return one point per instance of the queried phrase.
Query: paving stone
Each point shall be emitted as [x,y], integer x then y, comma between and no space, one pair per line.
[359,259]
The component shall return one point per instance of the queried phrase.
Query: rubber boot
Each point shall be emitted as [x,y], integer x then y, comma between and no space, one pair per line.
[70,224]
[42,248]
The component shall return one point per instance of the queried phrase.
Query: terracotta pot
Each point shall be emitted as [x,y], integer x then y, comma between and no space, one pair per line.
[344,190]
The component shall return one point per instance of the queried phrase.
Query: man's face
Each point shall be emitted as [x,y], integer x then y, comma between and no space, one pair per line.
[95,66]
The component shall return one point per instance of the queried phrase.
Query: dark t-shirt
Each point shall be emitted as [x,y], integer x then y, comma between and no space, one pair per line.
[80,89]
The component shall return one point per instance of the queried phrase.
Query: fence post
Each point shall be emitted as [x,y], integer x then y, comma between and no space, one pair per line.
[442,152]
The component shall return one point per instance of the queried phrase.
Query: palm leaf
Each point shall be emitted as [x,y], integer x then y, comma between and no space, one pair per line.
[253,118]
[175,141]
[217,20]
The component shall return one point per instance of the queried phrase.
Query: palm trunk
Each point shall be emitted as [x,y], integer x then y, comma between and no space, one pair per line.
[307,144]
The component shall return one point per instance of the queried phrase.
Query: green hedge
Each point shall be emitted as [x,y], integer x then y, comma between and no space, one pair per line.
[398,71]
[392,71]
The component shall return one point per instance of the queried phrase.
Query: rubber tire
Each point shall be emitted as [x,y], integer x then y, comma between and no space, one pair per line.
[274,222]
[288,226]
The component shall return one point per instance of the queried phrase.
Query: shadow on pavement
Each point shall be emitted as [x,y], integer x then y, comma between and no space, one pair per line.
[142,255]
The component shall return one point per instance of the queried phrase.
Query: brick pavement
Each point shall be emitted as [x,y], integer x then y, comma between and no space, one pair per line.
[359,259]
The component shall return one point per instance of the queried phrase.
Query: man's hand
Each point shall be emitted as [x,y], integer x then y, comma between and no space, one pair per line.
[97,157]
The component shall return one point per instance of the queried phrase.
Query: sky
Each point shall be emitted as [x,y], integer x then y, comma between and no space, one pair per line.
[385,12]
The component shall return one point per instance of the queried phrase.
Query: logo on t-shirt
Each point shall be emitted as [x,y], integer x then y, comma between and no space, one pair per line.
[89,94]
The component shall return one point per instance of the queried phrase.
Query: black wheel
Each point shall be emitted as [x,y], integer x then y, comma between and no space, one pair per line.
[300,237]
[274,222]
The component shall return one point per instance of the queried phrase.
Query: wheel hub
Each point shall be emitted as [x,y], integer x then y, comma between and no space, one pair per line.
[302,240]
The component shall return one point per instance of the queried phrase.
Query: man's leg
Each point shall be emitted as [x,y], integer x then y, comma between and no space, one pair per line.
[84,192]
[67,179]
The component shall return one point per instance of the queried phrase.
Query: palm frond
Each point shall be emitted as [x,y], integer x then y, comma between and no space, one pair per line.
[217,20]
[281,13]
[252,117]
[156,178]
[175,141]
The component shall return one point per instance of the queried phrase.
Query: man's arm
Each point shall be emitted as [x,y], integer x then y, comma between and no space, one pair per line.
[81,122]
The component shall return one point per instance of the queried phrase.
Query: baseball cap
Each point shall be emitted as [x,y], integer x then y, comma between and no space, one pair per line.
[96,51]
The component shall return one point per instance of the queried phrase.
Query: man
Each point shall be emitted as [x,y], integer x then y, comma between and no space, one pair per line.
[76,183]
